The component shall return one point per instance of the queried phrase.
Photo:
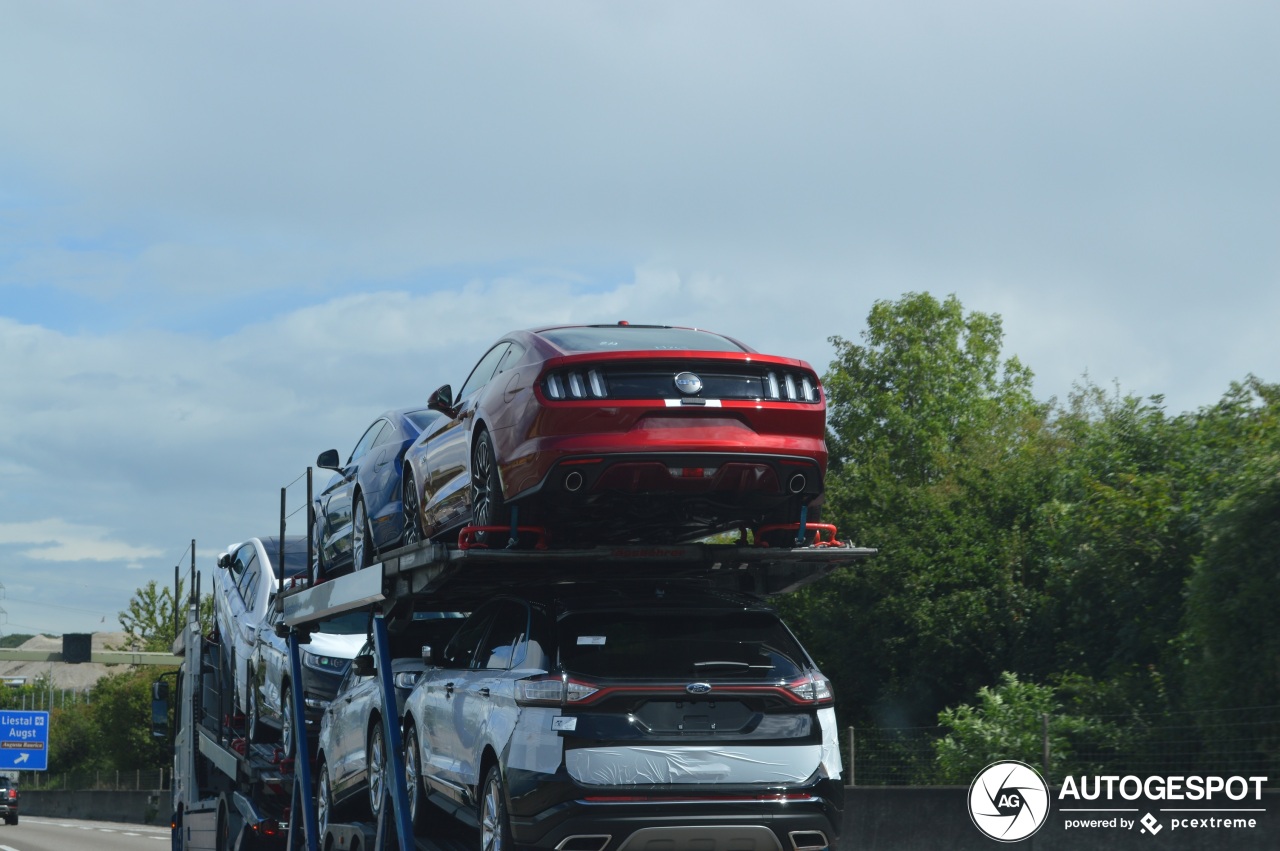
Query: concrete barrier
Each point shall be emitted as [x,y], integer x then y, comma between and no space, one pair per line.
[131,807]
[892,818]
[925,819]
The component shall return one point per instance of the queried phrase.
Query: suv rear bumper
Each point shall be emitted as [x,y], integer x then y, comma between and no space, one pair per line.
[713,819]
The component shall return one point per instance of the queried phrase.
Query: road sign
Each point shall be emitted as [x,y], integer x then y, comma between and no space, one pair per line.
[24,740]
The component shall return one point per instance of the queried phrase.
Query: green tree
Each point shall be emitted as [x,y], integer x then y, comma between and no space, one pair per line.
[1118,536]
[74,739]
[121,708]
[1012,720]
[1234,639]
[938,459]
[149,622]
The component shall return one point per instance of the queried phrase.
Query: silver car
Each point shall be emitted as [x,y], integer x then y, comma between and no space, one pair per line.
[598,716]
[350,766]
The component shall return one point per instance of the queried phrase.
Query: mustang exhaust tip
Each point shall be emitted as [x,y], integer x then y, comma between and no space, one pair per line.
[573,482]
[797,483]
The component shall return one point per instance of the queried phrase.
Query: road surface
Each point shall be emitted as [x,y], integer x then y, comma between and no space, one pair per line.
[39,833]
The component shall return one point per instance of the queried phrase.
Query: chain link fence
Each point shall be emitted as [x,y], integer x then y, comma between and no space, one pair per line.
[1228,742]
[138,780]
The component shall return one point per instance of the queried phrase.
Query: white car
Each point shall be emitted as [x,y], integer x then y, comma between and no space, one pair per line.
[244,587]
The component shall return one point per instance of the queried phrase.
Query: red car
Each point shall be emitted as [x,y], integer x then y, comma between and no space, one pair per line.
[617,433]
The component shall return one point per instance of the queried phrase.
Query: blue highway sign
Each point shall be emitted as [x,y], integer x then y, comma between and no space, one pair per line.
[24,740]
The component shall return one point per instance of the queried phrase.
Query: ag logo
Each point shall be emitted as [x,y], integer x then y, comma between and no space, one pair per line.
[1008,801]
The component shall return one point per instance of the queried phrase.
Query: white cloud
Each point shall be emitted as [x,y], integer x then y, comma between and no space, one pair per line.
[58,540]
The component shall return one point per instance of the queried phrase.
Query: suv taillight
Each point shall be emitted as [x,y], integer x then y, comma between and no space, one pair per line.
[552,690]
[13,793]
[812,688]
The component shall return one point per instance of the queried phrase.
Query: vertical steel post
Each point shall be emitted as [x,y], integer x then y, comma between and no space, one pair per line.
[853,756]
[1045,720]
[280,560]
[301,748]
[311,525]
[391,735]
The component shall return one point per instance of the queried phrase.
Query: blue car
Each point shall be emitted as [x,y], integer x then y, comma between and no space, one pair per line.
[358,514]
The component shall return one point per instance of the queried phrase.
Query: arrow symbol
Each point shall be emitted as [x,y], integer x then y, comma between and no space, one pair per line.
[22,758]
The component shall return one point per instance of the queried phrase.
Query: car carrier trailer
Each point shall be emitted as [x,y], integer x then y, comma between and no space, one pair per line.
[232,795]
[459,577]
[228,794]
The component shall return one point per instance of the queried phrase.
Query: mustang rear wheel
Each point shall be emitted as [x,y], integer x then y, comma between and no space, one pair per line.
[487,505]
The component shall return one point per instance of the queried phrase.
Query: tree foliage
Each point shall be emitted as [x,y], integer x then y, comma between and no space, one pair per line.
[149,622]
[1100,542]
[1014,720]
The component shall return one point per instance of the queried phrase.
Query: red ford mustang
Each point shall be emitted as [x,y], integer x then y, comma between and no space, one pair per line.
[617,433]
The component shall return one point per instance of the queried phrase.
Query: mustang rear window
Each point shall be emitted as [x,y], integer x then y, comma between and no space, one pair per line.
[690,644]
[638,338]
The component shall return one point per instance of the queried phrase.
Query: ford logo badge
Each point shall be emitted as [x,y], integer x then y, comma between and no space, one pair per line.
[688,384]
[698,688]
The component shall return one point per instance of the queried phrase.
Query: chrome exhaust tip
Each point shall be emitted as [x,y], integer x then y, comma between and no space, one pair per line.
[573,482]
[797,483]
[584,842]
[808,840]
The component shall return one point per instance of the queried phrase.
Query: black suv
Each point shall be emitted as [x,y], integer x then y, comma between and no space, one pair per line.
[611,717]
[9,799]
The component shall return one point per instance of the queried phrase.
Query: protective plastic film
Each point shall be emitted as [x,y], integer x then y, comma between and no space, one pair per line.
[830,743]
[630,766]
[534,746]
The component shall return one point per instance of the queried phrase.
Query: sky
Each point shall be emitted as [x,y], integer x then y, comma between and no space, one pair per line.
[233,233]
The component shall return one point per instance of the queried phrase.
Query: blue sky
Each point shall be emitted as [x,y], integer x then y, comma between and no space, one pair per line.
[231,234]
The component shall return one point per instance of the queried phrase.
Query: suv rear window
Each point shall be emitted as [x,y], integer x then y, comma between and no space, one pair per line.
[639,338]
[685,644]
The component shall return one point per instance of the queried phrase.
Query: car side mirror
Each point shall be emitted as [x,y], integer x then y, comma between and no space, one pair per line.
[224,560]
[363,666]
[329,460]
[426,654]
[442,400]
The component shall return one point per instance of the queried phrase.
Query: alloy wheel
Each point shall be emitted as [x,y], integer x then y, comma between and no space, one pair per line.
[412,520]
[377,767]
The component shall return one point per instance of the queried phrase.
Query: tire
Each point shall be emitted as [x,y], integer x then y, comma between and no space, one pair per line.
[376,767]
[253,728]
[412,514]
[415,783]
[11,820]
[288,738]
[487,505]
[363,549]
[495,827]
[222,833]
[324,799]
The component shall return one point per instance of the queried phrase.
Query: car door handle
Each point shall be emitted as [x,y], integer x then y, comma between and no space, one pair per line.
[484,692]
[448,689]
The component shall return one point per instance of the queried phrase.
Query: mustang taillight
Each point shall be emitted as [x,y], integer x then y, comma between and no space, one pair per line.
[790,387]
[576,384]
[552,690]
